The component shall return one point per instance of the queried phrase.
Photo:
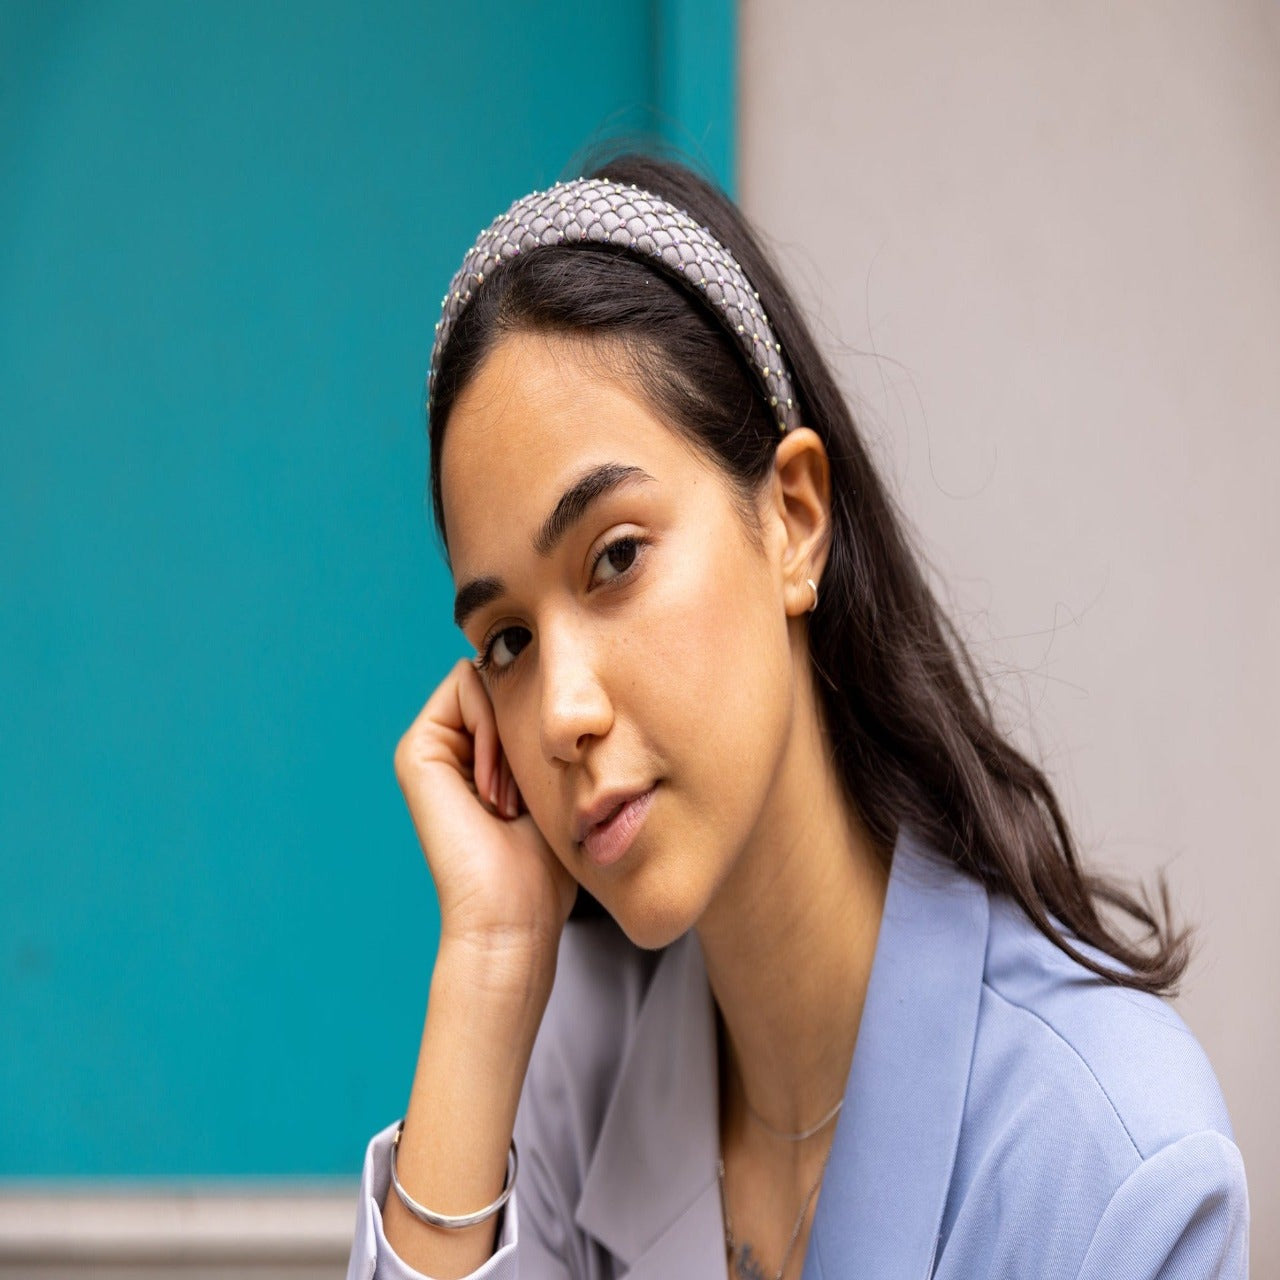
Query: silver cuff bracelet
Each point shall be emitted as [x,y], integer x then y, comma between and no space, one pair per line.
[453,1221]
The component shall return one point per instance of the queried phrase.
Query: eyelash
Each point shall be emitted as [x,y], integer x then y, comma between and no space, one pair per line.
[485,661]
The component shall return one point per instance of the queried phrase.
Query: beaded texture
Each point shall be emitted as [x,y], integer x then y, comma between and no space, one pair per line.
[591,211]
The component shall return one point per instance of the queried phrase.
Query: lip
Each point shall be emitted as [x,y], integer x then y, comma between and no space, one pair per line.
[603,806]
[623,814]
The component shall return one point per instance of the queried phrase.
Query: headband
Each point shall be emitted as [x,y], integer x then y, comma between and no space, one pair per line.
[594,212]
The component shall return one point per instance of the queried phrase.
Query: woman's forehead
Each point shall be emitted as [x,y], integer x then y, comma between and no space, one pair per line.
[535,387]
[538,413]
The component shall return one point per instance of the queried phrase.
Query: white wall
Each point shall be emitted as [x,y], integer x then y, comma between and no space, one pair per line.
[1059,228]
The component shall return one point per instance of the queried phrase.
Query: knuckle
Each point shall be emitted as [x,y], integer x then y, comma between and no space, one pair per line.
[402,755]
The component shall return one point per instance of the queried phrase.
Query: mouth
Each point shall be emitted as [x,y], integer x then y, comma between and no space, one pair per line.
[607,840]
[605,808]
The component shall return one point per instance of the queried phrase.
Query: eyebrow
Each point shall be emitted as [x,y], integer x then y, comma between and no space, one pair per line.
[574,503]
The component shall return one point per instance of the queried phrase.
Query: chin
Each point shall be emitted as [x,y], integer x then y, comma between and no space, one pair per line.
[654,922]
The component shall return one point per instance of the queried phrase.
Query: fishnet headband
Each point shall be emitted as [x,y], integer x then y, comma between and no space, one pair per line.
[593,211]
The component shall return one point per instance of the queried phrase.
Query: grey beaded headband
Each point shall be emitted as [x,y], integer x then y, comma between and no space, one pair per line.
[593,211]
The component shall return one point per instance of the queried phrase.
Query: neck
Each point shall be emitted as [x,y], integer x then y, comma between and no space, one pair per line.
[788,942]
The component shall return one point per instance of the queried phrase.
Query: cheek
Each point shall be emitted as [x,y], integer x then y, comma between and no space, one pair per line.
[700,672]
[518,730]
[713,654]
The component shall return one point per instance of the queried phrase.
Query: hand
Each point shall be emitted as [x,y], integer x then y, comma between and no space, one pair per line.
[500,885]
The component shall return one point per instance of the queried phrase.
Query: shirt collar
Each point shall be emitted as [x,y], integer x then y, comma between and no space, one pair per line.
[651,1194]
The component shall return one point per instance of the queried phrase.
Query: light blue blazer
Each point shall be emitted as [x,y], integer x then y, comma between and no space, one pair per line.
[1007,1115]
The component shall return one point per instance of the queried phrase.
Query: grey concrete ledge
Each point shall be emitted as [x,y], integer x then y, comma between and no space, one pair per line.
[237,1222]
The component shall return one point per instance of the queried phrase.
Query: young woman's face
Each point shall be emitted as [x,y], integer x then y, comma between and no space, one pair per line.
[640,638]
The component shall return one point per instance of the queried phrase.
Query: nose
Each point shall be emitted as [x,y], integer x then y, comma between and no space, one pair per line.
[575,707]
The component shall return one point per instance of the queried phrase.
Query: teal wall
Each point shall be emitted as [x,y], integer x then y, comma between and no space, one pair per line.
[224,232]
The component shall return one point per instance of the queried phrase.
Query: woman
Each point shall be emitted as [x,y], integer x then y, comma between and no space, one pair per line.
[845,1004]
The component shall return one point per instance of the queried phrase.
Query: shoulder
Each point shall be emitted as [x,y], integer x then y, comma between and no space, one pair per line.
[1093,1119]
[1123,1057]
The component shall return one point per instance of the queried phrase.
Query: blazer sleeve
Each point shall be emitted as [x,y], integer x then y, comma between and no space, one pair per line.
[1182,1214]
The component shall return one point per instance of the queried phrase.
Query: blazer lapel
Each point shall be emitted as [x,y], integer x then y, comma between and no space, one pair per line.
[885,1190]
[651,1195]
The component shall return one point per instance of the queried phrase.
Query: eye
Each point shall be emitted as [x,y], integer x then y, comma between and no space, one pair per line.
[624,551]
[490,659]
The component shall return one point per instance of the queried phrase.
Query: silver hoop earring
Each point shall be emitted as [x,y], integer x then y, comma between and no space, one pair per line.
[814,585]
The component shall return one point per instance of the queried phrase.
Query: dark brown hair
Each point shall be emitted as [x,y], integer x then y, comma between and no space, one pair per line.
[912,729]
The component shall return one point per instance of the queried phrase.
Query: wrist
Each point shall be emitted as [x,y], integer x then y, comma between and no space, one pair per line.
[511,964]
[511,980]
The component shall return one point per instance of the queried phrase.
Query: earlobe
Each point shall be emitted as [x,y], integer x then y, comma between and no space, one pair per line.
[802,597]
[803,476]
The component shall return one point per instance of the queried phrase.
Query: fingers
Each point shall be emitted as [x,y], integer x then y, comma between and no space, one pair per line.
[458,714]
[508,791]
[478,717]
[460,706]
[504,787]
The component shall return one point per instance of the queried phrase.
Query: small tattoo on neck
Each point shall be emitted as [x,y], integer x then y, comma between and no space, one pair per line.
[746,1265]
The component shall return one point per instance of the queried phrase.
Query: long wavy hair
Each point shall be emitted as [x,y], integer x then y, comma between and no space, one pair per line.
[912,729]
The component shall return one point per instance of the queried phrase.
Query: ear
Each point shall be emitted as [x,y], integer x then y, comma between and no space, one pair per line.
[799,515]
